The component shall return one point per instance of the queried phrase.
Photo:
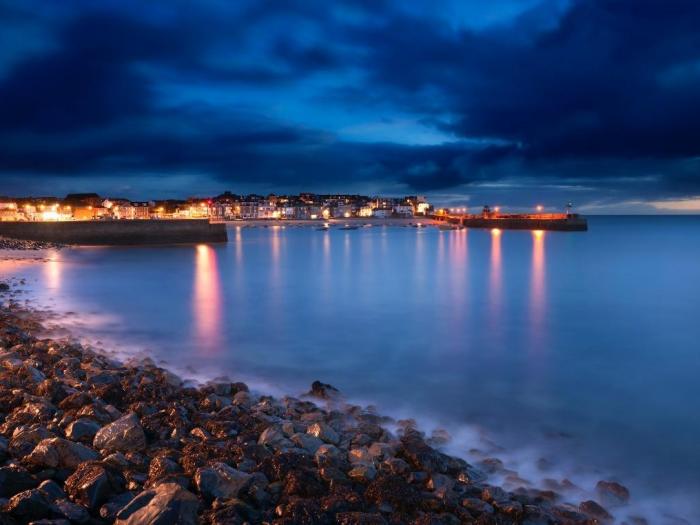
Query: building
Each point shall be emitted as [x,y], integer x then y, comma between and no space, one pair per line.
[142,210]
[9,211]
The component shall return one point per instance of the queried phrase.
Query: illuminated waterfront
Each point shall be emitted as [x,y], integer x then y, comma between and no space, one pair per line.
[564,342]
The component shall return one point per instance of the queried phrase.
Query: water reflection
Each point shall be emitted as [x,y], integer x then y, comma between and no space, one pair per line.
[206,305]
[52,271]
[537,291]
[495,278]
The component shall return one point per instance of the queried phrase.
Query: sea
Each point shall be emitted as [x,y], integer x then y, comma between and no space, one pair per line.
[568,356]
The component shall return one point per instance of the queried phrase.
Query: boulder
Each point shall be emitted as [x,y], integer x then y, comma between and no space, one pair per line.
[324,432]
[274,437]
[60,453]
[307,442]
[220,481]
[612,493]
[30,505]
[92,484]
[167,504]
[82,429]
[123,435]
[323,390]
[15,479]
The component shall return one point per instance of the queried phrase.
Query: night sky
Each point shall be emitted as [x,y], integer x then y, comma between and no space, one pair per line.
[511,102]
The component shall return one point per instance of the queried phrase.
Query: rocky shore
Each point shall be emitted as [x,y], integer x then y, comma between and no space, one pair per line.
[86,439]
[7,243]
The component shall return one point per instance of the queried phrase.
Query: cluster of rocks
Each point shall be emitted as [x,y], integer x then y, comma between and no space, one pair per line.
[7,243]
[85,439]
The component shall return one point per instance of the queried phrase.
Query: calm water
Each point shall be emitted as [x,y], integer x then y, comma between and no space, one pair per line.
[582,347]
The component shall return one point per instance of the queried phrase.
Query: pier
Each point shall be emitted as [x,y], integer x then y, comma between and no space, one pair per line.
[117,232]
[571,222]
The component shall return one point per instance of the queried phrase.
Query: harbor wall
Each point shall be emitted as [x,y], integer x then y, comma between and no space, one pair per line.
[124,232]
[572,223]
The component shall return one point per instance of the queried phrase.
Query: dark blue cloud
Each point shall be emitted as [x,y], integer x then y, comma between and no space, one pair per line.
[595,98]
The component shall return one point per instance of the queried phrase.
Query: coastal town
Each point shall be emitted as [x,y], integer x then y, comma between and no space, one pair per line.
[223,207]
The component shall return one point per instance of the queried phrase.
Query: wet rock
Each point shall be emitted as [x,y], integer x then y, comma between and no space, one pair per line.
[72,512]
[29,505]
[324,432]
[60,453]
[274,437]
[323,390]
[359,518]
[477,507]
[52,490]
[393,491]
[166,504]
[109,510]
[92,484]
[123,435]
[82,429]
[220,481]
[593,509]
[25,438]
[363,473]
[303,483]
[612,493]
[307,442]
[15,479]
[423,457]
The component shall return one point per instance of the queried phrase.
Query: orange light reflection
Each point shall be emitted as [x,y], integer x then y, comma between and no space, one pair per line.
[206,307]
[537,286]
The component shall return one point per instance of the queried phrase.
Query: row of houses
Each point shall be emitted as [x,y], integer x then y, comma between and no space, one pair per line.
[227,206]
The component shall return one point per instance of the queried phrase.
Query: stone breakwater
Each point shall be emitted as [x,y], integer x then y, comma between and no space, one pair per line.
[19,244]
[87,439]
[115,233]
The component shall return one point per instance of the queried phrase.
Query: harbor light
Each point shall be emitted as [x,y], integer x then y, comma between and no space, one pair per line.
[539,208]
[495,232]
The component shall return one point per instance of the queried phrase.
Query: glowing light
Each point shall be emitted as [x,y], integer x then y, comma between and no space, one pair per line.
[49,216]
[540,208]
[206,304]
[346,214]
[497,209]
[496,232]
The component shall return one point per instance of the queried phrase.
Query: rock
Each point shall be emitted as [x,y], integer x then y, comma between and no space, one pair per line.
[423,457]
[60,453]
[363,473]
[477,507]
[25,438]
[360,455]
[323,390]
[167,504]
[307,442]
[92,484]
[359,518]
[15,479]
[29,505]
[593,509]
[274,437]
[393,491]
[395,466]
[72,512]
[82,429]
[123,435]
[52,490]
[220,481]
[324,432]
[612,493]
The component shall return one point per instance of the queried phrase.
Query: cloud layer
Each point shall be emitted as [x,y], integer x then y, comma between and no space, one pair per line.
[596,101]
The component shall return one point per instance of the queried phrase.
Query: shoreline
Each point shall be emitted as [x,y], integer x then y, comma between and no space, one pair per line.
[232,455]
